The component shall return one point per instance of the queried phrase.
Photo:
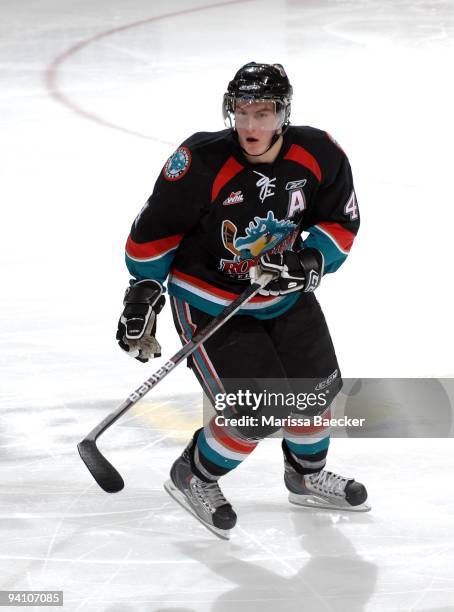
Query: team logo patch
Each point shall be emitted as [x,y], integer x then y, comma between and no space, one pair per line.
[178,164]
[263,234]
[236,197]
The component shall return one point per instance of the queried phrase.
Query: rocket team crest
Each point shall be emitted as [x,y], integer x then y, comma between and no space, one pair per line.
[178,164]
[262,235]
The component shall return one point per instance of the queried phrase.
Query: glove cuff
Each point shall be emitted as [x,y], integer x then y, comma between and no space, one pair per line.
[312,263]
[146,291]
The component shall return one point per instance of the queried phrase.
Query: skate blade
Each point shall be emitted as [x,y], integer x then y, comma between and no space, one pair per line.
[318,503]
[178,496]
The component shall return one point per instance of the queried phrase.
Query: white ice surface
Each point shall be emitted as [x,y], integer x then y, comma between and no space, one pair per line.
[138,551]
[93,98]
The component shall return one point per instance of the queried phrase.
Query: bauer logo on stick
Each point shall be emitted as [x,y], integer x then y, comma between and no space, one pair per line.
[178,164]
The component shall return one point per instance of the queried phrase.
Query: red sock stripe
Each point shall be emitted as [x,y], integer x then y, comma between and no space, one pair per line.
[234,444]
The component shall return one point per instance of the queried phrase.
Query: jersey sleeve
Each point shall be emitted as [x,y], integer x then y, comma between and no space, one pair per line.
[168,215]
[333,219]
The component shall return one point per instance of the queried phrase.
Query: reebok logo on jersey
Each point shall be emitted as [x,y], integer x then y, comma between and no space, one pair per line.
[267,186]
[236,197]
[295,184]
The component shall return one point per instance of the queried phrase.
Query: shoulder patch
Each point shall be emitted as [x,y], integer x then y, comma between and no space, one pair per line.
[178,164]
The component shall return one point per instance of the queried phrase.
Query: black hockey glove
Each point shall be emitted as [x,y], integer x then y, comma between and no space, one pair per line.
[137,324]
[298,271]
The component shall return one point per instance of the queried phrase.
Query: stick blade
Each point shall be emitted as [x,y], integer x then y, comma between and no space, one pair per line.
[102,471]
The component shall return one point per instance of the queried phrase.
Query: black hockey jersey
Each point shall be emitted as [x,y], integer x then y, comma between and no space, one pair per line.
[212,214]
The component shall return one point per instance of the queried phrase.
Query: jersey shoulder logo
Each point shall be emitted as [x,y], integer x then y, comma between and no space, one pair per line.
[178,164]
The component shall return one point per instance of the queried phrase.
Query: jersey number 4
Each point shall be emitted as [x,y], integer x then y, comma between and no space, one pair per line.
[351,208]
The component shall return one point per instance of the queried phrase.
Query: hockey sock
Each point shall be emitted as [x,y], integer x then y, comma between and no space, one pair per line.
[306,446]
[219,449]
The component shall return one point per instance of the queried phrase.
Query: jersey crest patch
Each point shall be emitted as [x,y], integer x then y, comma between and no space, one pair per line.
[262,235]
[178,164]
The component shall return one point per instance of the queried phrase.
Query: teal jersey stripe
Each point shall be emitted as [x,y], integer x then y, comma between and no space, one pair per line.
[333,256]
[213,308]
[183,320]
[308,449]
[157,269]
[212,455]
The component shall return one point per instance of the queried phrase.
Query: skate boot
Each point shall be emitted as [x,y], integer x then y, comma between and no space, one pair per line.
[323,489]
[204,500]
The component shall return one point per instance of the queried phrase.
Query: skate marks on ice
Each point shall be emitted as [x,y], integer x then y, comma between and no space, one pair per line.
[326,574]
[62,424]
[408,543]
[59,530]
[410,24]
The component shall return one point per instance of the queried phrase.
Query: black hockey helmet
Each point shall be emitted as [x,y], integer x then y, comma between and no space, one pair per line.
[259,82]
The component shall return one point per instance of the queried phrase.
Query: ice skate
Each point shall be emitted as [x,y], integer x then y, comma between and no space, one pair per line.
[204,500]
[324,489]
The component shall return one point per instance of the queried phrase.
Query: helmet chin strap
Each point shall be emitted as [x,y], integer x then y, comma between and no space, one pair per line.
[273,141]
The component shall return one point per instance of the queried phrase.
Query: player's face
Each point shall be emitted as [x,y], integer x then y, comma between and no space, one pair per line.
[255,123]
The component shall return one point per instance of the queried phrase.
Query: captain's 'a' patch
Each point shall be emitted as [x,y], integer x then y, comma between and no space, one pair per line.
[178,164]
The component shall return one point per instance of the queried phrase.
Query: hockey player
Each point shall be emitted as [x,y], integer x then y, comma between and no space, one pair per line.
[227,206]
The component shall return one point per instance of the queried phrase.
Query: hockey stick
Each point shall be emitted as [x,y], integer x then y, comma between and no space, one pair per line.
[102,470]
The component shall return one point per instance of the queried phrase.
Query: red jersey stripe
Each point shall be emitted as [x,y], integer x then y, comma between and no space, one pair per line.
[187,315]
[147,250]
[343,237]
[299,155]
[197,282]
[225,174]
[201,352]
